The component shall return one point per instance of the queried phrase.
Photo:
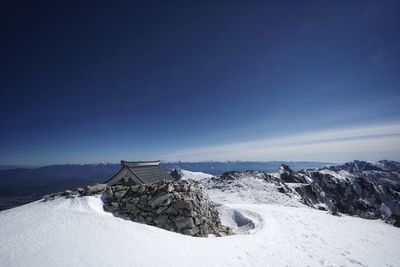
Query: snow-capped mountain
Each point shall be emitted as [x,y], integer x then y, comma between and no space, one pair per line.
[359,188]
[365,192]
[359,166]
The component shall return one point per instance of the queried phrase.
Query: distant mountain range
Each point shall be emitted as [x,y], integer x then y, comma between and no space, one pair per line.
[219,167]
[212,167]
[21,184]
[9,167]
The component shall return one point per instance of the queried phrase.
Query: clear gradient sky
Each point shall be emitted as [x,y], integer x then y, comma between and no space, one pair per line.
[199,80]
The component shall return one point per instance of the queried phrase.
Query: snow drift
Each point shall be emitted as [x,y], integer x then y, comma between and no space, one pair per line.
[77,232]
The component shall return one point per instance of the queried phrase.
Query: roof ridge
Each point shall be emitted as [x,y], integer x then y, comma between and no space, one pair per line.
[132,164]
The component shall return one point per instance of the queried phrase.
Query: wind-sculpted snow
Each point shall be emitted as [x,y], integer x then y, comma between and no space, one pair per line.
[240,221]
[77,232]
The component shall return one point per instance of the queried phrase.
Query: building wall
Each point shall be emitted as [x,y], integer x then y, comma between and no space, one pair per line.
[129,182]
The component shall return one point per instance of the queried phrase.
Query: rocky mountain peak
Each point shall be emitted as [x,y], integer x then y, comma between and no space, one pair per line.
[356,166]
[287,175]
[286,168]
[390,165]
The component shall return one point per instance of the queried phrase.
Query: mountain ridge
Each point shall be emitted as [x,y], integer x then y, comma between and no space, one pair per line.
[20,186]
[353,188]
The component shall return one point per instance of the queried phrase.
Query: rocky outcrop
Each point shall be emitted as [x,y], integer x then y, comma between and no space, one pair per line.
[352,194]
[176,173]
[182,207]
[286,175]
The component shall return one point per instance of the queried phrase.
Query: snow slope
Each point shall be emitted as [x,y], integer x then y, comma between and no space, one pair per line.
[249,188]
[77,232]
[197,176]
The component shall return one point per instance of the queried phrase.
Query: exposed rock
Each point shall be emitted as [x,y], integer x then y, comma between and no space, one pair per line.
[225,230]
[191,231]
[95,189]
[287,175]
[394,219]
[157,201]
[80,190]
[183,204]
[184,223]
[175,173]
[353,194]
[109,192]
[66,193]
[119,194]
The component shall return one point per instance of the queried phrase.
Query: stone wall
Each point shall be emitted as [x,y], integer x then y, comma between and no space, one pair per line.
[178,206]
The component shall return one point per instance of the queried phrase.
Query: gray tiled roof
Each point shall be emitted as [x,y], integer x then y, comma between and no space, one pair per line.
[150,174]
[134,164]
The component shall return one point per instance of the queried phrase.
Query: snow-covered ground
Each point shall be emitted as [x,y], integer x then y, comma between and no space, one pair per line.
[77,232]
[197,176]
[252,190]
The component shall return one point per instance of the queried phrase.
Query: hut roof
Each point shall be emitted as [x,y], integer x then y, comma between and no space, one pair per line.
[145,171]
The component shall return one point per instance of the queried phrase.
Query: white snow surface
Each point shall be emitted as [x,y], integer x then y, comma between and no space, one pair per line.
[77,232]
[197,176]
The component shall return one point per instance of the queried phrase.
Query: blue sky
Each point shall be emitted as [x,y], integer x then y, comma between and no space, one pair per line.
[189,80]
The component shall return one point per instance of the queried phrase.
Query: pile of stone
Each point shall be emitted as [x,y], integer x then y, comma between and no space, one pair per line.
[90,190]
[178,206]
